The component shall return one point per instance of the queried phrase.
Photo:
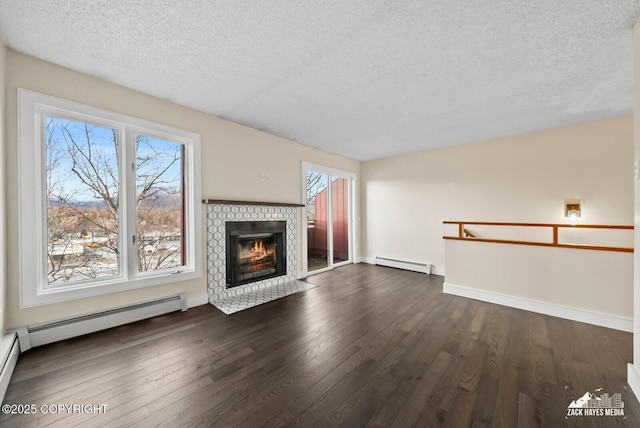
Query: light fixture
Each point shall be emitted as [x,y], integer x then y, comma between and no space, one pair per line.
[572,208]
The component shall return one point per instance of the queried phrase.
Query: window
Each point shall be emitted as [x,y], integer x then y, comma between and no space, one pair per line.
[108,202]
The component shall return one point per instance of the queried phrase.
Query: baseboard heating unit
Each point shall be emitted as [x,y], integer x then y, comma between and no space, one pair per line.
[41,334]
[401,264]
[9,352]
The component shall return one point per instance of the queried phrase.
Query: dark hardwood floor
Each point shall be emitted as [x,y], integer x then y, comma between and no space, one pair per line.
[370,346]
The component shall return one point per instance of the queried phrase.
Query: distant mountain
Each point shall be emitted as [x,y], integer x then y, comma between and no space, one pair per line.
[163,200]
[92,203]
[158,199]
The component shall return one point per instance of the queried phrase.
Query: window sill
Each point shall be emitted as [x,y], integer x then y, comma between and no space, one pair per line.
[32,298]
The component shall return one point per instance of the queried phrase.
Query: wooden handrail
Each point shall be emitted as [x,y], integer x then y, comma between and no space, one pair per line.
[465,235]
[499,223]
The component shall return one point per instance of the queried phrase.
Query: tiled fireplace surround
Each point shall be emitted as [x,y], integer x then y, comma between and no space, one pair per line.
[217,215]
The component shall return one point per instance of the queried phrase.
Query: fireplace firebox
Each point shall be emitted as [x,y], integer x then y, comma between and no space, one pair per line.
[255,251]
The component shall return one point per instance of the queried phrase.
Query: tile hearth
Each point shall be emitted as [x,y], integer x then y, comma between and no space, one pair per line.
[250,299]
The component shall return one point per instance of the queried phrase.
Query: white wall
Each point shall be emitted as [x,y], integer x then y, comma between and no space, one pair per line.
[232,157]
[523,178]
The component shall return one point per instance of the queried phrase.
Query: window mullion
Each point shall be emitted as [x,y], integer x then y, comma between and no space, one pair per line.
[330,220]
[41,205]
[129,200]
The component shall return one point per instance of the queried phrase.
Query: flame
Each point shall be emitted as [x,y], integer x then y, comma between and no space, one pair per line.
[259,251]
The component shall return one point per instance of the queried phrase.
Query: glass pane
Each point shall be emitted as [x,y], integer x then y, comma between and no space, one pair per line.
[317,215]
[82,201]
[340,219]
[159,204]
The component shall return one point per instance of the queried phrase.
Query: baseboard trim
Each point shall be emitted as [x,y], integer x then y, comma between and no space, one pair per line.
[633,379]
[603,320]
[437,270]
[367,260]
[9,352]
[197,300]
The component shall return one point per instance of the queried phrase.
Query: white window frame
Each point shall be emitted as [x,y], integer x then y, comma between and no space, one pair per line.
[32,108]
[352,223]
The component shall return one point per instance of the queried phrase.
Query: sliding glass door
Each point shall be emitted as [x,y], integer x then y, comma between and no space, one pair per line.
[317,205]
[328,206]
[340,219]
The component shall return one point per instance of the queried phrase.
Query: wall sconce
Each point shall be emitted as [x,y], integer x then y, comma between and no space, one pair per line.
[572,208]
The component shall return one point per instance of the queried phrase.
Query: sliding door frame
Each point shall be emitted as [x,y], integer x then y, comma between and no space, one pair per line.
[352,224]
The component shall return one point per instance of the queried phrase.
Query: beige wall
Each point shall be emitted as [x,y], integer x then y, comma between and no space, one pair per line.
[636,259]
[522,178]
[3,257]
[232,157]
[598,282]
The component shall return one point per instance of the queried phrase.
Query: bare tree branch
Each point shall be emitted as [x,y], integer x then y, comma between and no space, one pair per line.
[82,161]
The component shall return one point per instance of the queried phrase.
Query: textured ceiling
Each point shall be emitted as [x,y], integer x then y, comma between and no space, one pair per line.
[361,78]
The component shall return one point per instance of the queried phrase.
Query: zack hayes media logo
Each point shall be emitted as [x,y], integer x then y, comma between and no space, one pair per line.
[591,405]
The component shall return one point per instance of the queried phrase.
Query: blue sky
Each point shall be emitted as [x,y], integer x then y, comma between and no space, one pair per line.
[100,139]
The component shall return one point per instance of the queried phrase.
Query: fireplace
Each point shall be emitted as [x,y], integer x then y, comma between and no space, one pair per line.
[255,250]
